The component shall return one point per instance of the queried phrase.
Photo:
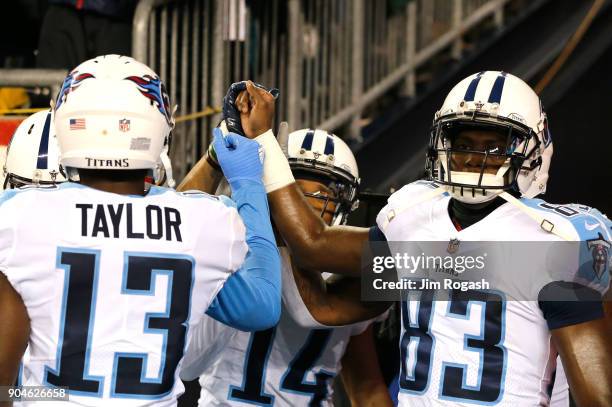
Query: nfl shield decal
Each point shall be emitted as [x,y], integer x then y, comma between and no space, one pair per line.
[124,125]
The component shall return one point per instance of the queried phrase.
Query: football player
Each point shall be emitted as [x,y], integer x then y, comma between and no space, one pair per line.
[294,363]
[104,280]
[488,159]
[32,156]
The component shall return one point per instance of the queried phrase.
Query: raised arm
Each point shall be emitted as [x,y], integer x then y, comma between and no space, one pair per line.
[14,333]
[205,176]
[313,245]
[250,298]
[332,302]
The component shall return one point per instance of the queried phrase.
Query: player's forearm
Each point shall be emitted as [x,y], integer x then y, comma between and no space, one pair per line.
[586,352]
[372,395]
[202,177]
[14,332]
[313,244]
[250,299]
[361,373]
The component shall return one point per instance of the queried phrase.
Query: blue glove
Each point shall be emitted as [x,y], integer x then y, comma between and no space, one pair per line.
[239,157]
[231,115]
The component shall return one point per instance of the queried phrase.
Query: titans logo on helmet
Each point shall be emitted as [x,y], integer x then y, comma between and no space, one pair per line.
[152,88]
[71,82]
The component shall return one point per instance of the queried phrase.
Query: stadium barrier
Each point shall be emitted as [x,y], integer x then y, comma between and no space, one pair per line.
[330,59]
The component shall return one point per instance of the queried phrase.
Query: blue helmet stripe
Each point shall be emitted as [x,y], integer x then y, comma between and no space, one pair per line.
[307,143]
[471,90]
[329,146]
[43,149]
[498,87]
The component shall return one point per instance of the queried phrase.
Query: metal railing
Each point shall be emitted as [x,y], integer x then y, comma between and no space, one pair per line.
[330,58]
[44,78]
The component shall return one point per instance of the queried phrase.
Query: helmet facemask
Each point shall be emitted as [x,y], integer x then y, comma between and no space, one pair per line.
[343,190]
[475,170]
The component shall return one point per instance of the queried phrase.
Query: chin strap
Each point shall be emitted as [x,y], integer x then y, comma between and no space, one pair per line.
[401,208]
[544,223]
[165,159]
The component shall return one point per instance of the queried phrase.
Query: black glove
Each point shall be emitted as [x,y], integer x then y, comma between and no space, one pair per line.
[230,112]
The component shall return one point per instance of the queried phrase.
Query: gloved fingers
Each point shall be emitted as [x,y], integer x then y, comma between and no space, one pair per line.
[218,142]
[228,142]
[231,141]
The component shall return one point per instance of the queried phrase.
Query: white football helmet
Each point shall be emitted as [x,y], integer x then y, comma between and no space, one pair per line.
[32,157]
[501,102]
[112,112]
[324,157]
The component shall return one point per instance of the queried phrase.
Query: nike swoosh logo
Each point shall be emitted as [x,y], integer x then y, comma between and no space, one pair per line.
[589,226]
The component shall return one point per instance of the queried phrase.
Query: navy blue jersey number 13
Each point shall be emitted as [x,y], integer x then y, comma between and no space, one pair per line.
[78,319]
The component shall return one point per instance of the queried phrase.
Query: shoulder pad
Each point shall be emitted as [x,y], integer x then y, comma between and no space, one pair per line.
[588,222]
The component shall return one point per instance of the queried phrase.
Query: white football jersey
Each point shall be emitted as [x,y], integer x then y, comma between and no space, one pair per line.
[560,391]
[288,365]
[469,351]
[112,284]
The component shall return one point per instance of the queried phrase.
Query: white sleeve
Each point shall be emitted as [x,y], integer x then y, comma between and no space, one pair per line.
[206,342]
[360,327]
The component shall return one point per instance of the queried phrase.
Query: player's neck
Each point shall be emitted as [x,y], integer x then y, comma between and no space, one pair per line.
[116,181]
[465,215]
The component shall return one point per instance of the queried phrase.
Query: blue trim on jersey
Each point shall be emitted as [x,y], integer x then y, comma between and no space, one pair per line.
[227,201]
[154,190]
[589,224]
[308,138]
[42,163]
[471,90]
[262,390]
[588,305]
[376,235]
[197,194]
[433,343]
[144,357]
[329,145]
[19,381]
[465,367]
[498,87]
[576,214]
[8,194]
[92,315]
